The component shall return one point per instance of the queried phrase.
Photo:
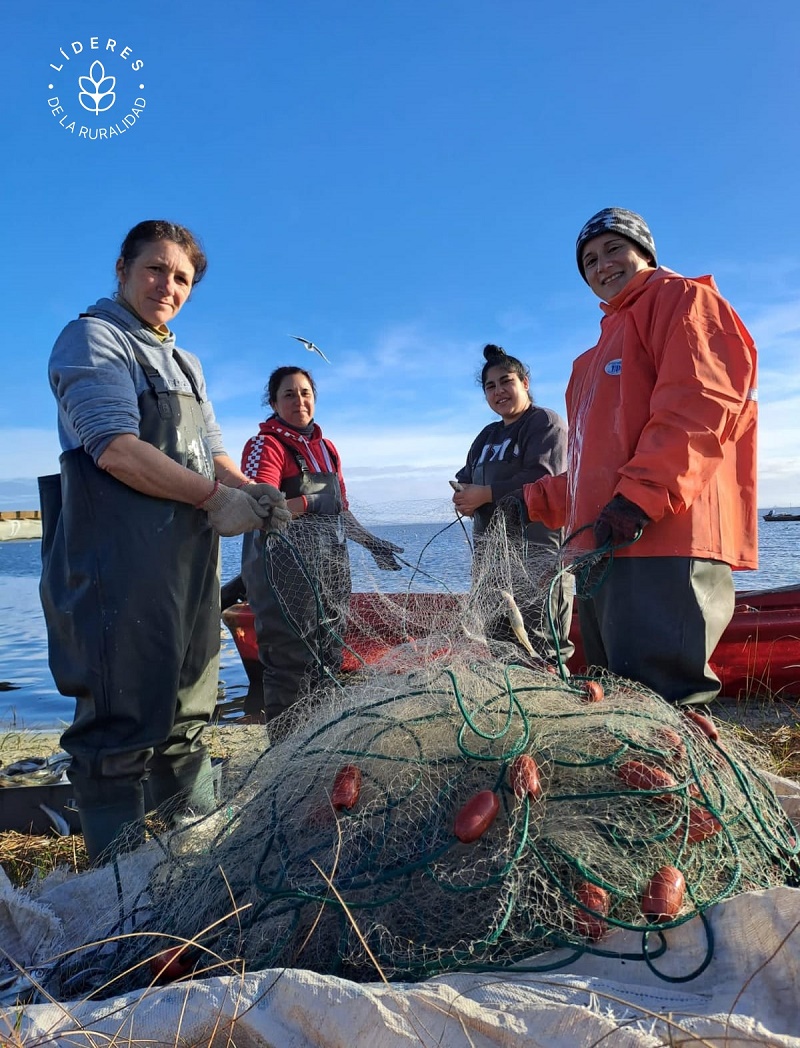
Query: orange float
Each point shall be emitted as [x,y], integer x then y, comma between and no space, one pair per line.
[663,895]
[592,691]
[705,724]
[591,925]
[174,963]
[523,777]
[669,739]
[641,776]
[476,816]
[702,824]
[346,787]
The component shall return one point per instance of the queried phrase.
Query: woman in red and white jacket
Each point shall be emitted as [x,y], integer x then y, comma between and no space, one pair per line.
[299,586]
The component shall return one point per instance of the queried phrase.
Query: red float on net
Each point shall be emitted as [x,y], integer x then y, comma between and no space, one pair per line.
[346,787]
[523,777]
[476,816]
[593,897]
[663,896]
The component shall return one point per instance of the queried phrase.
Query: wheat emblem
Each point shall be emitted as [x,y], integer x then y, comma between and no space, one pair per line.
[95,88]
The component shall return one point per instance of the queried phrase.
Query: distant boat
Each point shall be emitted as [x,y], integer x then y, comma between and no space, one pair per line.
[772,515]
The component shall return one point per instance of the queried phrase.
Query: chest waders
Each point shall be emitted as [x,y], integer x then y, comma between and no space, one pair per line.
[130,592]
[298,585]
[533,540]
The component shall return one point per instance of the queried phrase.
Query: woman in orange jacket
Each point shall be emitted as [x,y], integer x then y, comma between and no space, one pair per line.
[662,416]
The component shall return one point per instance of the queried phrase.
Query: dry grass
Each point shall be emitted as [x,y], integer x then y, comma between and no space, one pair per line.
[24,855]
[783,743]
[772,724]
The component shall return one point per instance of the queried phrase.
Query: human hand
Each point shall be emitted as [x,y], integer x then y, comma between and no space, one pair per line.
[273,501]
[277,518]
[261,491]
[620,521]
[383,552]
[231,511]
[471,497]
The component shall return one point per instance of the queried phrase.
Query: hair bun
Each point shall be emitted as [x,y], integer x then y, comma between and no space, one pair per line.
[494,353]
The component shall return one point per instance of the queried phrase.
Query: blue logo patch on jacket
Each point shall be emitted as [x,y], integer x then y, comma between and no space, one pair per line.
[613,367]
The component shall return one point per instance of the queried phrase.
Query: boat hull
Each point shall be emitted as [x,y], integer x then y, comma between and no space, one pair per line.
[758,655]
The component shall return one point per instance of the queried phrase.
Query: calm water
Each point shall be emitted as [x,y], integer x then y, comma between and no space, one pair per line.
[439,551]
[34,702]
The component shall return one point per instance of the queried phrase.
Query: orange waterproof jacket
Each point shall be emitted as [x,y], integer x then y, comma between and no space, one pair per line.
[663,411]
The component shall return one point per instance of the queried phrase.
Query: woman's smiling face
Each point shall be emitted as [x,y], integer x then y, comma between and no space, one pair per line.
[609,261]
[294,401]
[506,393]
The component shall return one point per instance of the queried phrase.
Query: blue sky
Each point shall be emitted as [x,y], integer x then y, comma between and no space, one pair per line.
[400,182]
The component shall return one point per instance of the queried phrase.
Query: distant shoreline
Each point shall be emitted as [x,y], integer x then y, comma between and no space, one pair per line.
[16,524]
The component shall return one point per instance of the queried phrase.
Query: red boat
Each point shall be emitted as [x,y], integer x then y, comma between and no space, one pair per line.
[759,653]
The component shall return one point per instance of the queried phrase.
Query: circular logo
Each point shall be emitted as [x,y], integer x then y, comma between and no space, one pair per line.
[96,88]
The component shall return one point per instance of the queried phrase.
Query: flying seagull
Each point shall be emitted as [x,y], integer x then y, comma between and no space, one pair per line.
[311,347]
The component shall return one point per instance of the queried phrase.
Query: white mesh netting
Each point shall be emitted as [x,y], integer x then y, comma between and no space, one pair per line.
[450,803]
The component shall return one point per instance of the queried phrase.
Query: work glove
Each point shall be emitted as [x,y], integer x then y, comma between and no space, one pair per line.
[619,522]
[326,503]
[232,511]
[274,501]
[383,551]
[278,517]
[261,491]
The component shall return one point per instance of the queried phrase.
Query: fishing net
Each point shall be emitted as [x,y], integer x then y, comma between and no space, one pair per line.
[449,805]
[316,627]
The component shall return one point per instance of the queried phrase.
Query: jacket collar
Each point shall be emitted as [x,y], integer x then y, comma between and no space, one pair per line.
[287,434]
[113,311]
[643,280]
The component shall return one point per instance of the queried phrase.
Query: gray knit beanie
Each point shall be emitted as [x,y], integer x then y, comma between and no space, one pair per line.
[616,220]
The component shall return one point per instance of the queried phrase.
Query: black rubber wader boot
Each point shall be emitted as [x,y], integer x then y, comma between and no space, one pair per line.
[182,786]
[112,817]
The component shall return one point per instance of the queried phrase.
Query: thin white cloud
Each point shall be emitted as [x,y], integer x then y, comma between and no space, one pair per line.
[773,327]
[403,350]
[776,329]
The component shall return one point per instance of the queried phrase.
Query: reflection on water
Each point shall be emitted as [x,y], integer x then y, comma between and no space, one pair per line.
[441,555]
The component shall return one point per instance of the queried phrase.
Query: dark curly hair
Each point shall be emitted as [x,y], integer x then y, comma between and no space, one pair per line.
[496,356]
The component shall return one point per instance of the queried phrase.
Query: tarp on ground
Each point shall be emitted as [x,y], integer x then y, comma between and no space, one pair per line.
[746,995]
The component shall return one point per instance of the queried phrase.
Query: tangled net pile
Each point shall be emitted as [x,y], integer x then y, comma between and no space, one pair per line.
[448,808]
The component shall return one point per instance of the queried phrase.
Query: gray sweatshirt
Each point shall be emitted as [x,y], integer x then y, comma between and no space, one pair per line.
[97,380]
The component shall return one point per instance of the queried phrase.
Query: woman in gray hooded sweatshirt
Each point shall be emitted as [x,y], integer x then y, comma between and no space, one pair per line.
[130,543]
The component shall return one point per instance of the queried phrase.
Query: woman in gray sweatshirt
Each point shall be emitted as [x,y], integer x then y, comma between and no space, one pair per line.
[130,544]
